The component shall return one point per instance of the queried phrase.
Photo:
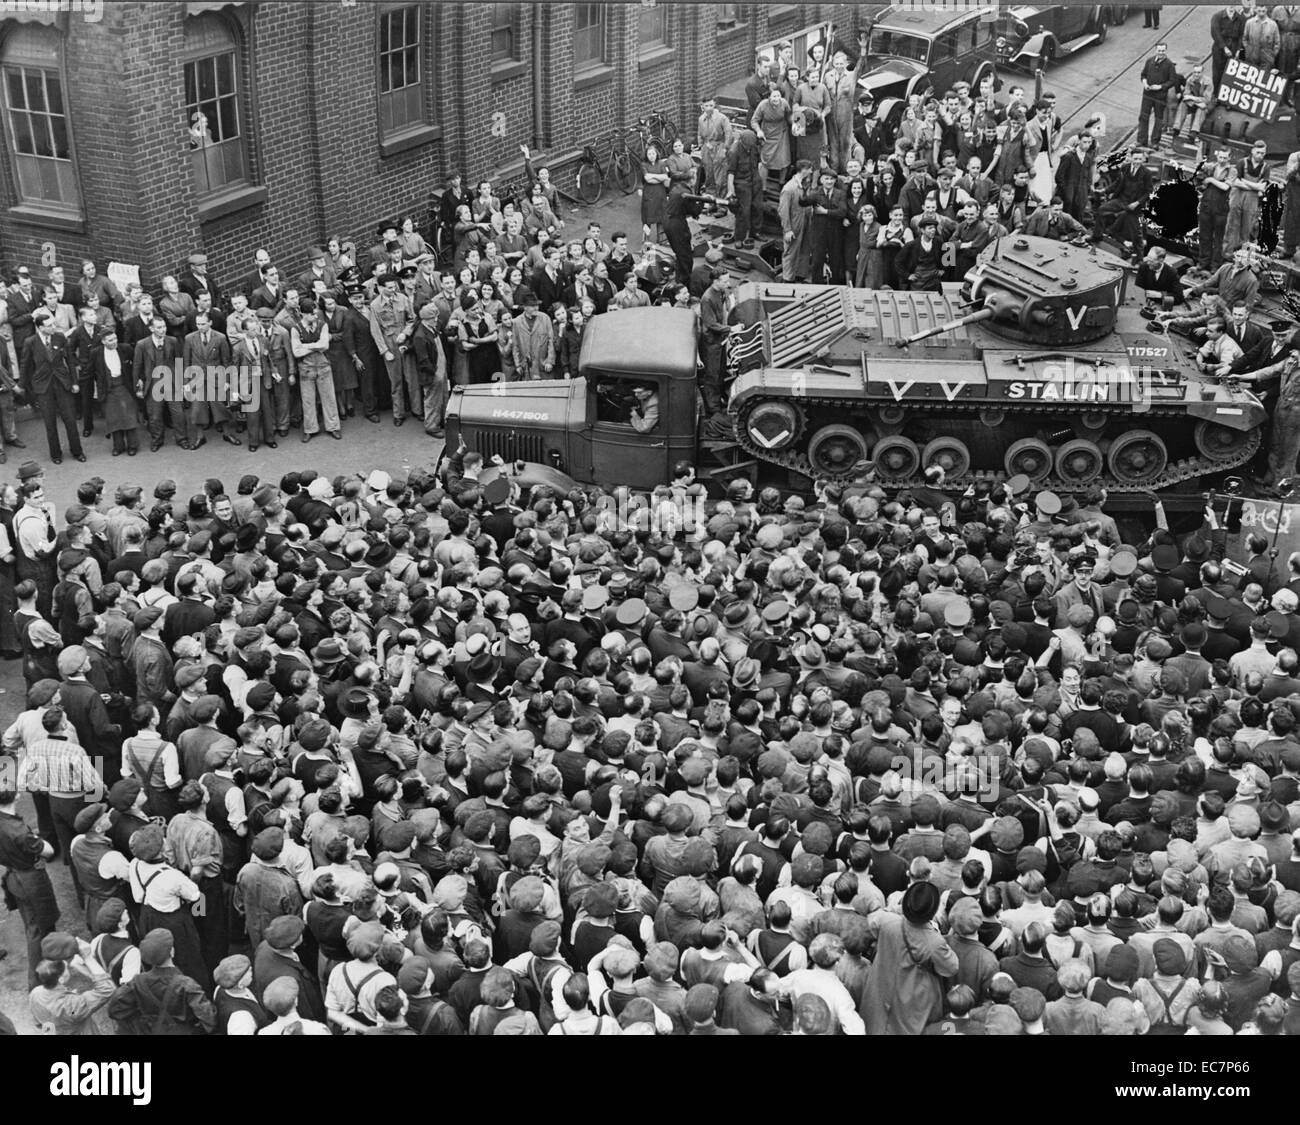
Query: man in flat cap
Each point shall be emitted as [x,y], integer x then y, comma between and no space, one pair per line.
[152,661]
[195,279]
[277,959]
[57,1006]
[161,1000]
[264,889]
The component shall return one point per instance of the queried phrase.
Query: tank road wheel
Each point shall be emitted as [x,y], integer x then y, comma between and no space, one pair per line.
[1219,443]
[774,425]
[1028,457]
[1137,457]
[835,449]
[896,458]
[1079,461]
[949,454]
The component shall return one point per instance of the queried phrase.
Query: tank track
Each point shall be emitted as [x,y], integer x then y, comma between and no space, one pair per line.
[1176,472]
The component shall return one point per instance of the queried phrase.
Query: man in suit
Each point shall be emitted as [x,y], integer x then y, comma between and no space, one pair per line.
[82,341]
[51,383]
[392,322]
[1253,340]
[548,282]
[216,318]
[208,349]
[579,288]
[154,361]
[23,299]
[136,327]
[254,278]
[318,269]
[359,343]
[270,294]
[249,352]
[195,279]
[191,614]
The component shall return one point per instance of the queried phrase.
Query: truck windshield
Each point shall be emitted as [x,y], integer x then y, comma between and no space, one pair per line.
[899,45]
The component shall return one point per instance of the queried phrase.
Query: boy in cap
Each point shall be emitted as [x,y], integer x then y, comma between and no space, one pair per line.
[57,1007]
[701,1010]
[281,1002]
[161,1000]
[354,985]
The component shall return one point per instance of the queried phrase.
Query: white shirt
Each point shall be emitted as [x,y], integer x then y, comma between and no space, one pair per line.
[340,998]
[824,983]
[281,1026]
[168,889]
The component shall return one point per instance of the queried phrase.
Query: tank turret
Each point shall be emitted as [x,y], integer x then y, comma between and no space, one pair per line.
[1037,363]
[1042,291]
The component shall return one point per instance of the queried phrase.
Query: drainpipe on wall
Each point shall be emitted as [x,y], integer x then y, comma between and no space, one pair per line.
[537,78]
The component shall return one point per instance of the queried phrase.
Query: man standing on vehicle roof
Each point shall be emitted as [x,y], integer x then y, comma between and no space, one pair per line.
[842,85]
[1158,75]
[714,131]
[1226,28]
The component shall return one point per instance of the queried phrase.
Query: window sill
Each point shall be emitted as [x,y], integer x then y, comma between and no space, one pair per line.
[652,60]
[409,139]
[730,31]
[507,69]
[230,201]
[783,13]
[32,215]
[592,76]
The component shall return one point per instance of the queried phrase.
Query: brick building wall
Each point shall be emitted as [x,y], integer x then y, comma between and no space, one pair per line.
[309,107]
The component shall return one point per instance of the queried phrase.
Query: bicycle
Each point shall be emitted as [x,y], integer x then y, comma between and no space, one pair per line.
[592,175]
[657,127]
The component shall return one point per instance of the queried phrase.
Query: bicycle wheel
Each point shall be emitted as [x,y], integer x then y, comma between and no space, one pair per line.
[667,130]
[589,182]
[636,144]
[624,172]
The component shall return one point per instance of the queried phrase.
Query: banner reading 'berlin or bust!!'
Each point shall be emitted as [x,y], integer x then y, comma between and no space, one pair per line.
[1251,90]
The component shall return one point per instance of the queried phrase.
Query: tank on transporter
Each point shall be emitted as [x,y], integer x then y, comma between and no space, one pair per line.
[1039,363]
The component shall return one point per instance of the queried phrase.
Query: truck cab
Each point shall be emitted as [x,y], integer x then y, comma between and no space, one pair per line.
[581,429]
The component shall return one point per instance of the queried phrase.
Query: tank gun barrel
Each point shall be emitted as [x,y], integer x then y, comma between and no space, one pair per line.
[986,313]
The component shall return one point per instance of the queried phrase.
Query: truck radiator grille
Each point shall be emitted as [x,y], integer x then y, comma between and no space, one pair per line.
[509,445]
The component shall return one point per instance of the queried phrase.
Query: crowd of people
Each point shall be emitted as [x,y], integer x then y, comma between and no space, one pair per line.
[501,292]
[453,754]
[443,756]
[911,203]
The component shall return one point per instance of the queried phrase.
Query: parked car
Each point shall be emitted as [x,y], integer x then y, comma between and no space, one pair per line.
[913,51]
[1031,38]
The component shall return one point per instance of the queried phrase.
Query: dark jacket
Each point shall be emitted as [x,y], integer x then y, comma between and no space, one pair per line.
[44,364]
